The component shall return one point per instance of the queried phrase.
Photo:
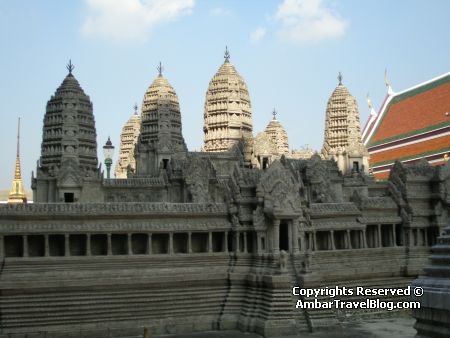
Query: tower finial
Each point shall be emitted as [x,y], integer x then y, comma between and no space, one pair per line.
[369,103]
[274,113]
[340,78]
[70,66]
[227,54]
[135,109]
[160,69]
[387,83]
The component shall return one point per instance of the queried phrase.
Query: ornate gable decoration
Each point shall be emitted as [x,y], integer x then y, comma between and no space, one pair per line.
[281,190]
[197,174]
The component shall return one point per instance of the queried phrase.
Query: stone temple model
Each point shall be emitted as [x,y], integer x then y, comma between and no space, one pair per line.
[209,240]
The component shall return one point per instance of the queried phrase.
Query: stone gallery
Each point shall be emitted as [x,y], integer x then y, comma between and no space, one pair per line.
[185,241]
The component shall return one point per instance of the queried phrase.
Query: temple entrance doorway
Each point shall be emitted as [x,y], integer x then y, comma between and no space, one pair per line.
[284,236]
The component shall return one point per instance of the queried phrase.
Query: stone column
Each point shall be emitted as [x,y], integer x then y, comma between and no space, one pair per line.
[189,242]
[425,238]
[349,240]
[314,241]
[294,228]
[394,235]
[302,241]
[2,246]
[46,246]
[380,244]
[276,236]
[25,245]
[66,245]
[245,242]
[258,242]
[170,243]
[225,241]
[364,239]
[210,242]
[88,244]
[129,249]
[149,244]
[333,247]
[109,253]
[236,236]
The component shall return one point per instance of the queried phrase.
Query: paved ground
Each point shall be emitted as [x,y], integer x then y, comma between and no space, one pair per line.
[397,327]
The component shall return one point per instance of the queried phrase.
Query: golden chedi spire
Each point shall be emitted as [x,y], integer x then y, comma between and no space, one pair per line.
[16,194]
[228,113]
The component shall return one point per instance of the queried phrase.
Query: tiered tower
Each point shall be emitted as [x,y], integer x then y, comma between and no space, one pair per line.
[16,194]
[343,133]
[278,135]
[69,147]
[160,138]
[270,144]
[228,114]
[128,140]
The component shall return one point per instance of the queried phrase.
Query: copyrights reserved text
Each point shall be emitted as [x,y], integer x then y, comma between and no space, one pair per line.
[352,298]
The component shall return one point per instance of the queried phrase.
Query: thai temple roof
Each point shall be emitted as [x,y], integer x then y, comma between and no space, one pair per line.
[410,125]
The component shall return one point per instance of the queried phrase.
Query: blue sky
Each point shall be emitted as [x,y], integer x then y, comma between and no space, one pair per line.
[288,51]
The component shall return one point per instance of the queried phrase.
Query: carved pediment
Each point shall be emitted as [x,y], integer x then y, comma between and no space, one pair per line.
[281,189]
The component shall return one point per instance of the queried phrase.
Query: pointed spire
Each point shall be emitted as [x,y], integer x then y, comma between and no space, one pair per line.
[369,103]
[70,67]
[135,109]
[340,78]
[16,194]
[227,55]
[387,83]
[160,69]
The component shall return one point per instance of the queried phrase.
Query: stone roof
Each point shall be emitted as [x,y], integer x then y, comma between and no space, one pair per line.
[228,114]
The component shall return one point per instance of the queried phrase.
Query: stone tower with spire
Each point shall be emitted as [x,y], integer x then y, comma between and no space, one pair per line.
[67,170]
[228,113]
[128,140]
[17,194]
[160,140]
[343,132]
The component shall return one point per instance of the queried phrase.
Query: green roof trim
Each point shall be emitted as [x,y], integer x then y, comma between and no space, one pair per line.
[406,95]
[409,157]
[411,133]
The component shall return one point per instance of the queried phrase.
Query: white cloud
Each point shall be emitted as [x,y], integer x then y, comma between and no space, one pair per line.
[219,11]
[257,34]
[305,21]
[130,19]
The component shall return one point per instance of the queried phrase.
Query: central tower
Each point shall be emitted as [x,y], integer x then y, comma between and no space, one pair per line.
[228,111]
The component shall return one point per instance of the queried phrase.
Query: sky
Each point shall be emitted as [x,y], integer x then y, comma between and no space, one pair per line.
[289,52]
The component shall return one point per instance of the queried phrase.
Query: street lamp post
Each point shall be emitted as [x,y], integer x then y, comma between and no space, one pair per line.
[108,152]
